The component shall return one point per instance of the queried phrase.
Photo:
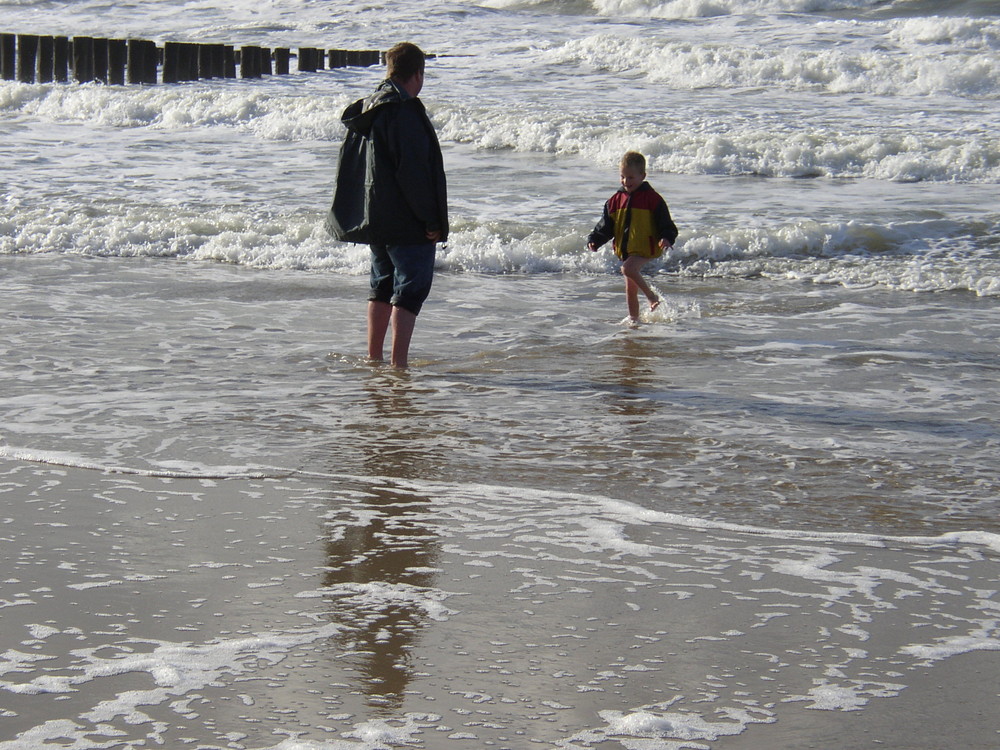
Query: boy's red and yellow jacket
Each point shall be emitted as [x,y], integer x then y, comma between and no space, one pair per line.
[636,222]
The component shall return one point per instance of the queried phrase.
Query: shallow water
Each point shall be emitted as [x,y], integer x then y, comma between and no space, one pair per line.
[790,406]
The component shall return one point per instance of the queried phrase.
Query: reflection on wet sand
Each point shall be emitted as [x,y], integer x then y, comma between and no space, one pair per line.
[632,378]
[379,557]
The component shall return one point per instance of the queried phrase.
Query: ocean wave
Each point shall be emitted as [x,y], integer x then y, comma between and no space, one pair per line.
[690,145]
[247,238]
[166,470]
[682,9]
[237,105]
[689,9]
[704,146]
[916,68]
[967,34]
[939,255]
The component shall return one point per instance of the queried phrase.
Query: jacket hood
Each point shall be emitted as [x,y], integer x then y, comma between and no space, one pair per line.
[360,115]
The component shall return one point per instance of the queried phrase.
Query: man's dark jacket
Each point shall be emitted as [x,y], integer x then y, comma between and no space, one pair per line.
[390,180]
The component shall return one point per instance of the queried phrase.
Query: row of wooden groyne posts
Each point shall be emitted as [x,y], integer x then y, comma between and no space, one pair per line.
[29,58]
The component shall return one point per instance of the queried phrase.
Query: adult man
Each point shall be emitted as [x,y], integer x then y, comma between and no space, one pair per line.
[391,195]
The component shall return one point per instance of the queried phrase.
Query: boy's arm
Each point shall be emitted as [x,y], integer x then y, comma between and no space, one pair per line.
[664,224]
[603,232]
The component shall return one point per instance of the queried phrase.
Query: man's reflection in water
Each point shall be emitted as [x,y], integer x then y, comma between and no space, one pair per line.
[380,559]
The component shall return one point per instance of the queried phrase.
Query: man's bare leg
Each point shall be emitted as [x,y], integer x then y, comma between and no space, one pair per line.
[378,323]
[403,322]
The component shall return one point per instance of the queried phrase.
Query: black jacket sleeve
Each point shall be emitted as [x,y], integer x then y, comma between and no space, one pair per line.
[603,231]
[664,224]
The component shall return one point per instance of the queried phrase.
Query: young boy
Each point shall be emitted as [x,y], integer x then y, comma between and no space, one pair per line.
[639,222]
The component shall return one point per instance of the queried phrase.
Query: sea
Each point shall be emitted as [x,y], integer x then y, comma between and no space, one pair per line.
[766,516]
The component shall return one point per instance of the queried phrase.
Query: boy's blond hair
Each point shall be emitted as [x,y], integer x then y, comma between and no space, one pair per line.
[635,160]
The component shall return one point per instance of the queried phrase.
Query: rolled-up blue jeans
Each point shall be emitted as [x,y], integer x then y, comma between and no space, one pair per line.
[401,275]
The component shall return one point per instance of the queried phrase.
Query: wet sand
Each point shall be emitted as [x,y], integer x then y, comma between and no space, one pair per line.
[953,705]
[241,612]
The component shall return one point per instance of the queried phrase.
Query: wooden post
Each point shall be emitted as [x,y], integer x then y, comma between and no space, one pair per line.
[154,60]
[265,61]
[250,62]
[8,57]
[141,61]
[60,59]
[27,54]
[117,57]
[183,62]
[189,66]
[205,61]
[189,62]
[171,62]
[46,69]
[217,55]
[307,60]
[134,64]
[101,60]
[246,64]
[83,59]
[337,58]
[281,55]
[211,61]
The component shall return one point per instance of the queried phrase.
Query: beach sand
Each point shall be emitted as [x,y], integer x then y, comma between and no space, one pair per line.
[952,705]
[308,608]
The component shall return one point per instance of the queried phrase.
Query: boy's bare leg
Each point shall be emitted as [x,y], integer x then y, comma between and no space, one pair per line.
[403,322]
[632,270]
[378,323]
[632,298]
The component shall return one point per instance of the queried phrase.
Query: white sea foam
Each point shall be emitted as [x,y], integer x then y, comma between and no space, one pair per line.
[918,256]
[852,696]
[170,469]
[679,9]
[672,730]
[702,146]
[232,105]
[942,648]
[709,8]
[608,537]
[974,73]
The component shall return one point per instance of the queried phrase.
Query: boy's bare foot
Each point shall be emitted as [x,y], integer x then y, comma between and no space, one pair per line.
[654,303]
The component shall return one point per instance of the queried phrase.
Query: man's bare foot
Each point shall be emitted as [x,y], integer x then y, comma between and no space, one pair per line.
[654,303]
